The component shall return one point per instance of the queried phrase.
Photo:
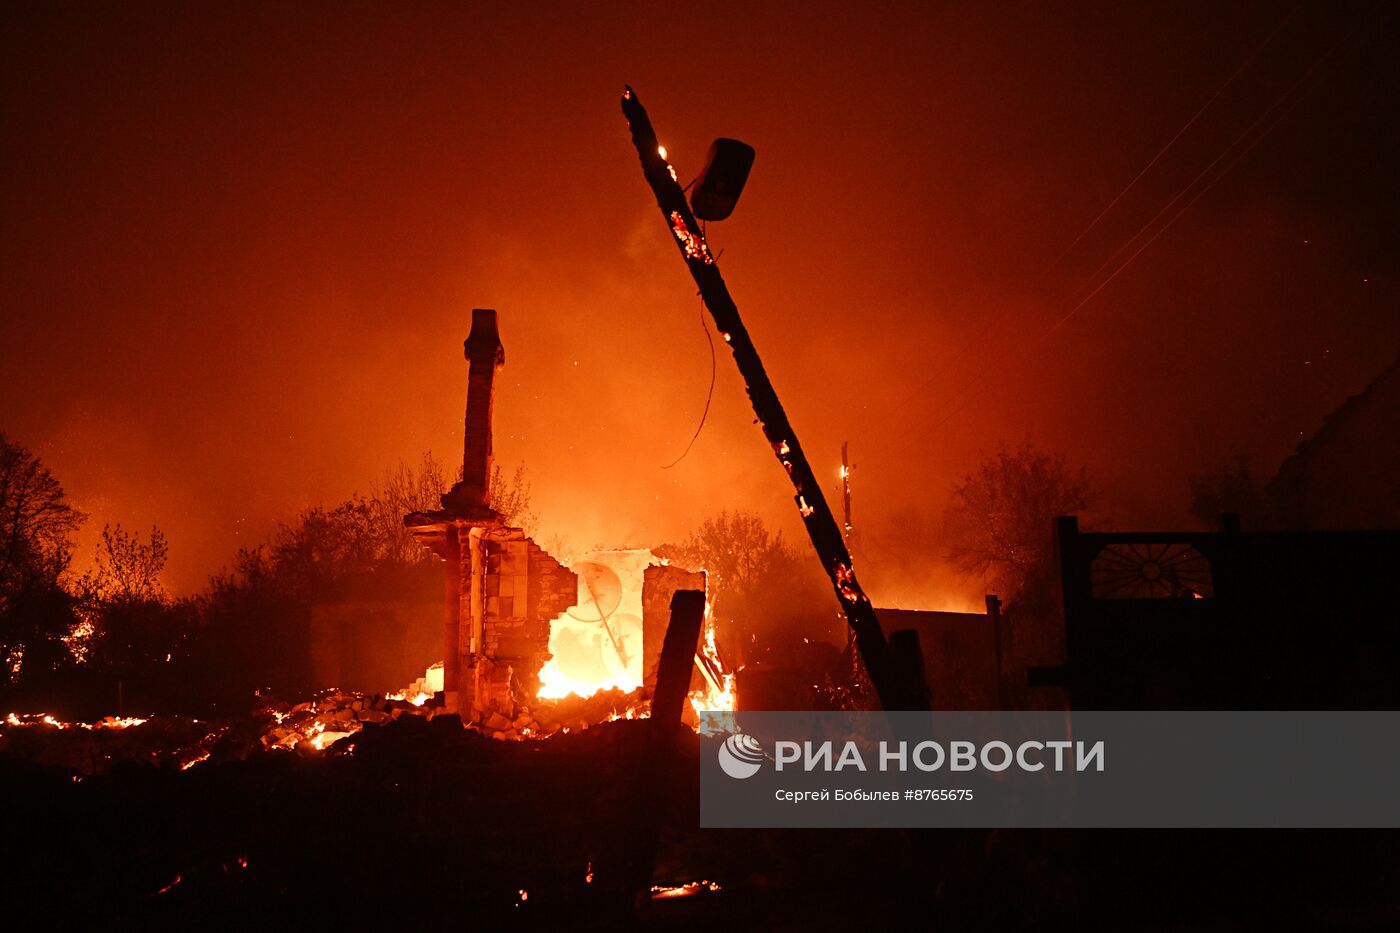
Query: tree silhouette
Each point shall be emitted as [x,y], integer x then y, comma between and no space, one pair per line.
[36,527]
[36,521]
[127,570]
[1000,520]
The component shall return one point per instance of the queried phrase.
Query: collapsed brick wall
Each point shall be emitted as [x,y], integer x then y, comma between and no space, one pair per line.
[659,583]
[523,589]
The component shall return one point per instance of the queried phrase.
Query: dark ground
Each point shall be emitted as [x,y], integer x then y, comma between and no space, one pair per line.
[420,825]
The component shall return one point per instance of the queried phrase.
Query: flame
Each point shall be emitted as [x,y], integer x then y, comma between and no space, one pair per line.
[423,689]
[418,699]
[323,738]
[555,684]
[718,693]
[597,645]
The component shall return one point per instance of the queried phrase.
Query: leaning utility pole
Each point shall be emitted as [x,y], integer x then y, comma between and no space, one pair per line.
[846,527]
[811,504]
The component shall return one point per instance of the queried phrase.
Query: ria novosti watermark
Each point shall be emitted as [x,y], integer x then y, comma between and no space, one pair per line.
[1007,769]
[929,755]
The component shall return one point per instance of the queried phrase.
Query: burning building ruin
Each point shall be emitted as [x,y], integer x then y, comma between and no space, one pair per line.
[518,624]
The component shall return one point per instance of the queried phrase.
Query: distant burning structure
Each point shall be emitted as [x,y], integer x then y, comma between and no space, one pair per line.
[510,610]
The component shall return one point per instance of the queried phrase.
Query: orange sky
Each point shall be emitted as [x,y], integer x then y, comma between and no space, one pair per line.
[241,247]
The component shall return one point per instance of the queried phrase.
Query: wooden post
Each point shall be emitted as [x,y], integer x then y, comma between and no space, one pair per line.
[643,823]
[821,525]
[907,659]
[998,634]
[677,657]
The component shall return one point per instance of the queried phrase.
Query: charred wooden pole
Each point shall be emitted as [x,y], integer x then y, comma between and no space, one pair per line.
[846,530]
[662,762]
[677,657]
[846,527]
[811,503]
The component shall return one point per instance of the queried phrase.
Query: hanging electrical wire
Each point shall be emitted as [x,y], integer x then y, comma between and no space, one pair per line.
[708,395]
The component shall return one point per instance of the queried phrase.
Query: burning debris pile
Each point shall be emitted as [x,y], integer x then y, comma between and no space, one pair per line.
[85,749]
[334,715]
[318,723]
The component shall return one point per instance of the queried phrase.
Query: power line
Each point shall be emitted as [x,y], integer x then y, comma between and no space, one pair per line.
[1181,132]
[1036,341]
[993,321]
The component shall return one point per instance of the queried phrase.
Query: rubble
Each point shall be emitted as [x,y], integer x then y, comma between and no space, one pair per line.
[87,749]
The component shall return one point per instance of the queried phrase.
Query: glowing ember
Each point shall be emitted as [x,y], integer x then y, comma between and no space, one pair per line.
[110,722]
[682,890]
[204,756]
[691,242]
[79,639]
[845,577]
